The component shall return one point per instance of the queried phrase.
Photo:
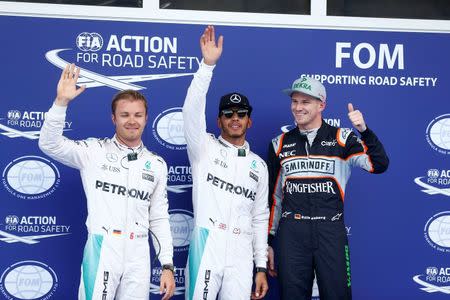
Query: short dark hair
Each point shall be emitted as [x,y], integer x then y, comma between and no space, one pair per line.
[128,95]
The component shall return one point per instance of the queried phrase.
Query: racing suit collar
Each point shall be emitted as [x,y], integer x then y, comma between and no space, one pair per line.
[123,147]
[245,147]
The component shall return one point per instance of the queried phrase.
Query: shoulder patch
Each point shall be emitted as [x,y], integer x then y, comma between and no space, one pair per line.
[277,143]
[342,135]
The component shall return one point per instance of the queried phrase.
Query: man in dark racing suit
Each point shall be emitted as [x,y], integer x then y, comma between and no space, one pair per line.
[309,167]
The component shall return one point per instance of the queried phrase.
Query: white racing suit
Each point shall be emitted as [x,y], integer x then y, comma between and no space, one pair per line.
[230,206]
[124,199]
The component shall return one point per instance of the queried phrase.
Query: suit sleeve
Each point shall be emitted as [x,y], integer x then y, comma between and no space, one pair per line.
[260,220]
[159,217]
[52,142]
[275,189]
[194,112]
[367,152]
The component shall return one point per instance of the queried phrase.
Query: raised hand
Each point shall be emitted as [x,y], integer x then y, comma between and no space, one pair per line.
[356,118]
[210,50]
[67,89]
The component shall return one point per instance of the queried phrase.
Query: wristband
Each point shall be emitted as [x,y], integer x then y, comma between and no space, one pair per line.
[260,269]
[168,267]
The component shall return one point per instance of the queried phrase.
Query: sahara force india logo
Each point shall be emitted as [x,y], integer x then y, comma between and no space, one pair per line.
[124,51]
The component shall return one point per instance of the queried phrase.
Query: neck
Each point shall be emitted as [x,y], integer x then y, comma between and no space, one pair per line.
[130,144]
[237,141]
[312,125]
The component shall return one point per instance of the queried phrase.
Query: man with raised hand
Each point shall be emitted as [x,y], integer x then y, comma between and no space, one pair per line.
[309,167]
[125,186]
[230,186]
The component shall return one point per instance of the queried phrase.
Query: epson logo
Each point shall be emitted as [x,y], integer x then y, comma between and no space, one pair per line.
[89,41]
[205,289]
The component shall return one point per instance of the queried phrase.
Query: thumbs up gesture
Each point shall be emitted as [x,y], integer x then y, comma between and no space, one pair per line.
[356,118]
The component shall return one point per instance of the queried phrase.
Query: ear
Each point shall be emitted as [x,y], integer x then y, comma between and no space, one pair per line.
[322,106]
[219,124]
[249,124]
[113,118]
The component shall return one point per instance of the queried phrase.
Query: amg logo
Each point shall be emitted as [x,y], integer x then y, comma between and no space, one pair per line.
[207,278]
[310,188]
[300,165]
[121,190]
[253,176]
[148,177]
[228,187]
[105,285]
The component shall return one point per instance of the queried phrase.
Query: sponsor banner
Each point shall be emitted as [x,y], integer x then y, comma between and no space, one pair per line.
[434,280]
[395,79]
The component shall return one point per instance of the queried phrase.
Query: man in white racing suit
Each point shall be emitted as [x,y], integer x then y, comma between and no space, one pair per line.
[230,186]
[125,186]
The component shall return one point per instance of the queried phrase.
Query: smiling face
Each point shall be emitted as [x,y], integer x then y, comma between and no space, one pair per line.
[233,128]
[130,118]
[306,110]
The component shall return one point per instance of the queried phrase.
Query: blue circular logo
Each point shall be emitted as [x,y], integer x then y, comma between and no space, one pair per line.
[28,280]
[181,225]
[168,129]
[30,177]
[89,41]
[438,134]
[437,231]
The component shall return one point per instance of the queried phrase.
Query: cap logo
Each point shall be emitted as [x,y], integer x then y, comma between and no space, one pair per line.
[301,85]
[235,98]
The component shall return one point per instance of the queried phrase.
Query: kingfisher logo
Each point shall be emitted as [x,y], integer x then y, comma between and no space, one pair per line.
[89,41]
[181,226]
[437,182]
[438,134]
[28,280]
[168,129]
[437,231]
[30,177]
[435,280]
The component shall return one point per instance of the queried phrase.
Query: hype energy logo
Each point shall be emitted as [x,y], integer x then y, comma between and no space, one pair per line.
[435,280]
[168,129]
[438,134]
[437,231]
[436,182]
[25,124]
[28,280]
[30,229]
[181,226]
[98,54]
[30,177]
[179,276]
